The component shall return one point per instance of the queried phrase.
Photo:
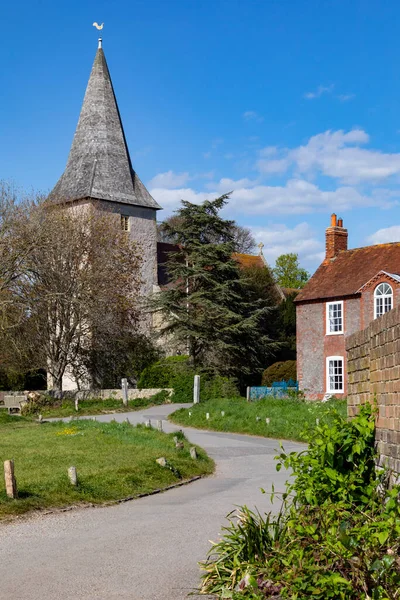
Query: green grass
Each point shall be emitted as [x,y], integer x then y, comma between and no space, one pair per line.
[113,460]
[289,419]
[97,406]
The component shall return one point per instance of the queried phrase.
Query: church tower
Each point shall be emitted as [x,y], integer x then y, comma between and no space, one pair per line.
[99,170]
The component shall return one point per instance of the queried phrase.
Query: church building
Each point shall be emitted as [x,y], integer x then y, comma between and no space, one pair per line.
[99,170]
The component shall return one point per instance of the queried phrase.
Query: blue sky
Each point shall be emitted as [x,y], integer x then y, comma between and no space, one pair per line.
[294,105]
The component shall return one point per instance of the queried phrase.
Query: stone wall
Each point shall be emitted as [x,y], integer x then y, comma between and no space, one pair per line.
[373,365]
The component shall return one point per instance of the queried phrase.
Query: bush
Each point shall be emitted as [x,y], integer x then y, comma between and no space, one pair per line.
[337,535]
[176,372]
[280,371]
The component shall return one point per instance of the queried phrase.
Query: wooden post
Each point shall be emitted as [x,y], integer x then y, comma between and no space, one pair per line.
[73,475]
[148,423]
[124,385]
[159,425]
[196,389]
[248,394]
[9,477]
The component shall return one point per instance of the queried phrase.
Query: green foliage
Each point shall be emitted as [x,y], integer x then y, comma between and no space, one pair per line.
[288,272]
[337,535]
[280,371]
[209,305]
[176,372]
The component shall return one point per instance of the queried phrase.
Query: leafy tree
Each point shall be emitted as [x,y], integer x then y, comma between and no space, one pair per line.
[243,239]
[288,272]
[209,307]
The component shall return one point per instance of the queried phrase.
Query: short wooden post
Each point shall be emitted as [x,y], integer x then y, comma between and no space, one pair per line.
[127,421]
[148,423]
[9,477]
[196,389]
[159,425]
[193,453]
[76,404]
[248,394]
[124,386]
[73,475]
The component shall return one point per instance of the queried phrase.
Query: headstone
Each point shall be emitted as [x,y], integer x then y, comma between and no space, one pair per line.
[9,478]
[124,386]
[162,461]
[73,476]
[76,404]
[248,394]
[258,419]
[193,453]
[267,421]
[159,425]
[207,416]
[40,418]
[179,445]
[190,414]
[176,439]
[196,389]
[222,413]
[148,423]
[317,422]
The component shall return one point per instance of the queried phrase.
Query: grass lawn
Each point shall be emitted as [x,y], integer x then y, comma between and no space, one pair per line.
[98,406]
[288,418]
[113,460]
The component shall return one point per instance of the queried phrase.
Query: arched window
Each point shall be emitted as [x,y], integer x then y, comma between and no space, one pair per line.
[383,296]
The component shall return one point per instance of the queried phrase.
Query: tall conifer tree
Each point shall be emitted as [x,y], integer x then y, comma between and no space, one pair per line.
[208,306]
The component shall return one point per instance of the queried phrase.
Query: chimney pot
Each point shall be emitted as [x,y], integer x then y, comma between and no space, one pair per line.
[336,238]
[340,223]
[333,220]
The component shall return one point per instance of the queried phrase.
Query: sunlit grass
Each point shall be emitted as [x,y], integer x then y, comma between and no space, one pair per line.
[113,461]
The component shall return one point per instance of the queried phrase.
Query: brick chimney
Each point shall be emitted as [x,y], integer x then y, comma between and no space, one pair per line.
[336,238]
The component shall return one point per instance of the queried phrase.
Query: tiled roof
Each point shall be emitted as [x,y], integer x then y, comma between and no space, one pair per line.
[345,274]
[249,260]
[99,165]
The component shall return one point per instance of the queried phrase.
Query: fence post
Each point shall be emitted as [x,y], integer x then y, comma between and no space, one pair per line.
[124,385]
[248,394]
[196,389]
[9,477]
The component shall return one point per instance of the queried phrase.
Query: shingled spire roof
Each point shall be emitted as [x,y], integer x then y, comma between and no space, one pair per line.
[99,165]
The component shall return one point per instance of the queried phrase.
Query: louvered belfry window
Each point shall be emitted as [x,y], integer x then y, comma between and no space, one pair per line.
[124,222]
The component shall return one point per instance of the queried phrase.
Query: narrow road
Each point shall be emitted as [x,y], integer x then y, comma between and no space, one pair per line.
[146,549]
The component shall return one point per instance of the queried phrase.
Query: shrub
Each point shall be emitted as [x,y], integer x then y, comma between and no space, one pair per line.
[176,372]
[337,535]
[280,371]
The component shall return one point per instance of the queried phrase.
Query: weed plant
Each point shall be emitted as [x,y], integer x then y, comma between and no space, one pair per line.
[336,536]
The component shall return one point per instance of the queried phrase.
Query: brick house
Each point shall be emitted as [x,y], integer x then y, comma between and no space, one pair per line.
[350,289]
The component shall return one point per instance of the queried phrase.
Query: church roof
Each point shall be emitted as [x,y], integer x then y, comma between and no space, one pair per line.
[99,165]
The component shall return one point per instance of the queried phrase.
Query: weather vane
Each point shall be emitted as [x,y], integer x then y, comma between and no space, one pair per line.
[98,26]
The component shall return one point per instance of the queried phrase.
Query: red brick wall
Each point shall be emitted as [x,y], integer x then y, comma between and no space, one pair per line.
[374,371]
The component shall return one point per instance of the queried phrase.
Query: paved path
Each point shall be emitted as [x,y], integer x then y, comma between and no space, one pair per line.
[146,549]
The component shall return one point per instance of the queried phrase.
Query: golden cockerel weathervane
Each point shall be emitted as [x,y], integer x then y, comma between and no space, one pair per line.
[98,26]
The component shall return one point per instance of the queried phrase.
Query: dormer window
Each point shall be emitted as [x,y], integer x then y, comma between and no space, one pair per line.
[334,317]
[383,299]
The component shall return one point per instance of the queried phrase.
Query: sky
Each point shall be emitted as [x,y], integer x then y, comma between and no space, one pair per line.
[291,105]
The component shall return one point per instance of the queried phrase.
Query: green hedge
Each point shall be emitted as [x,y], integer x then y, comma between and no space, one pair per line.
[176,372]
[280,371]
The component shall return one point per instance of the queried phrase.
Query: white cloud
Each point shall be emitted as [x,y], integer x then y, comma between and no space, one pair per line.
[345,97]
[252,115]
[321,89]
[336,154]
[280,239]
[170,199]
[384,236]
[169,180]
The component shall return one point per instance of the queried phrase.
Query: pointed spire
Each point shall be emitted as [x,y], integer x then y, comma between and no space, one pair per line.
[99,165]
